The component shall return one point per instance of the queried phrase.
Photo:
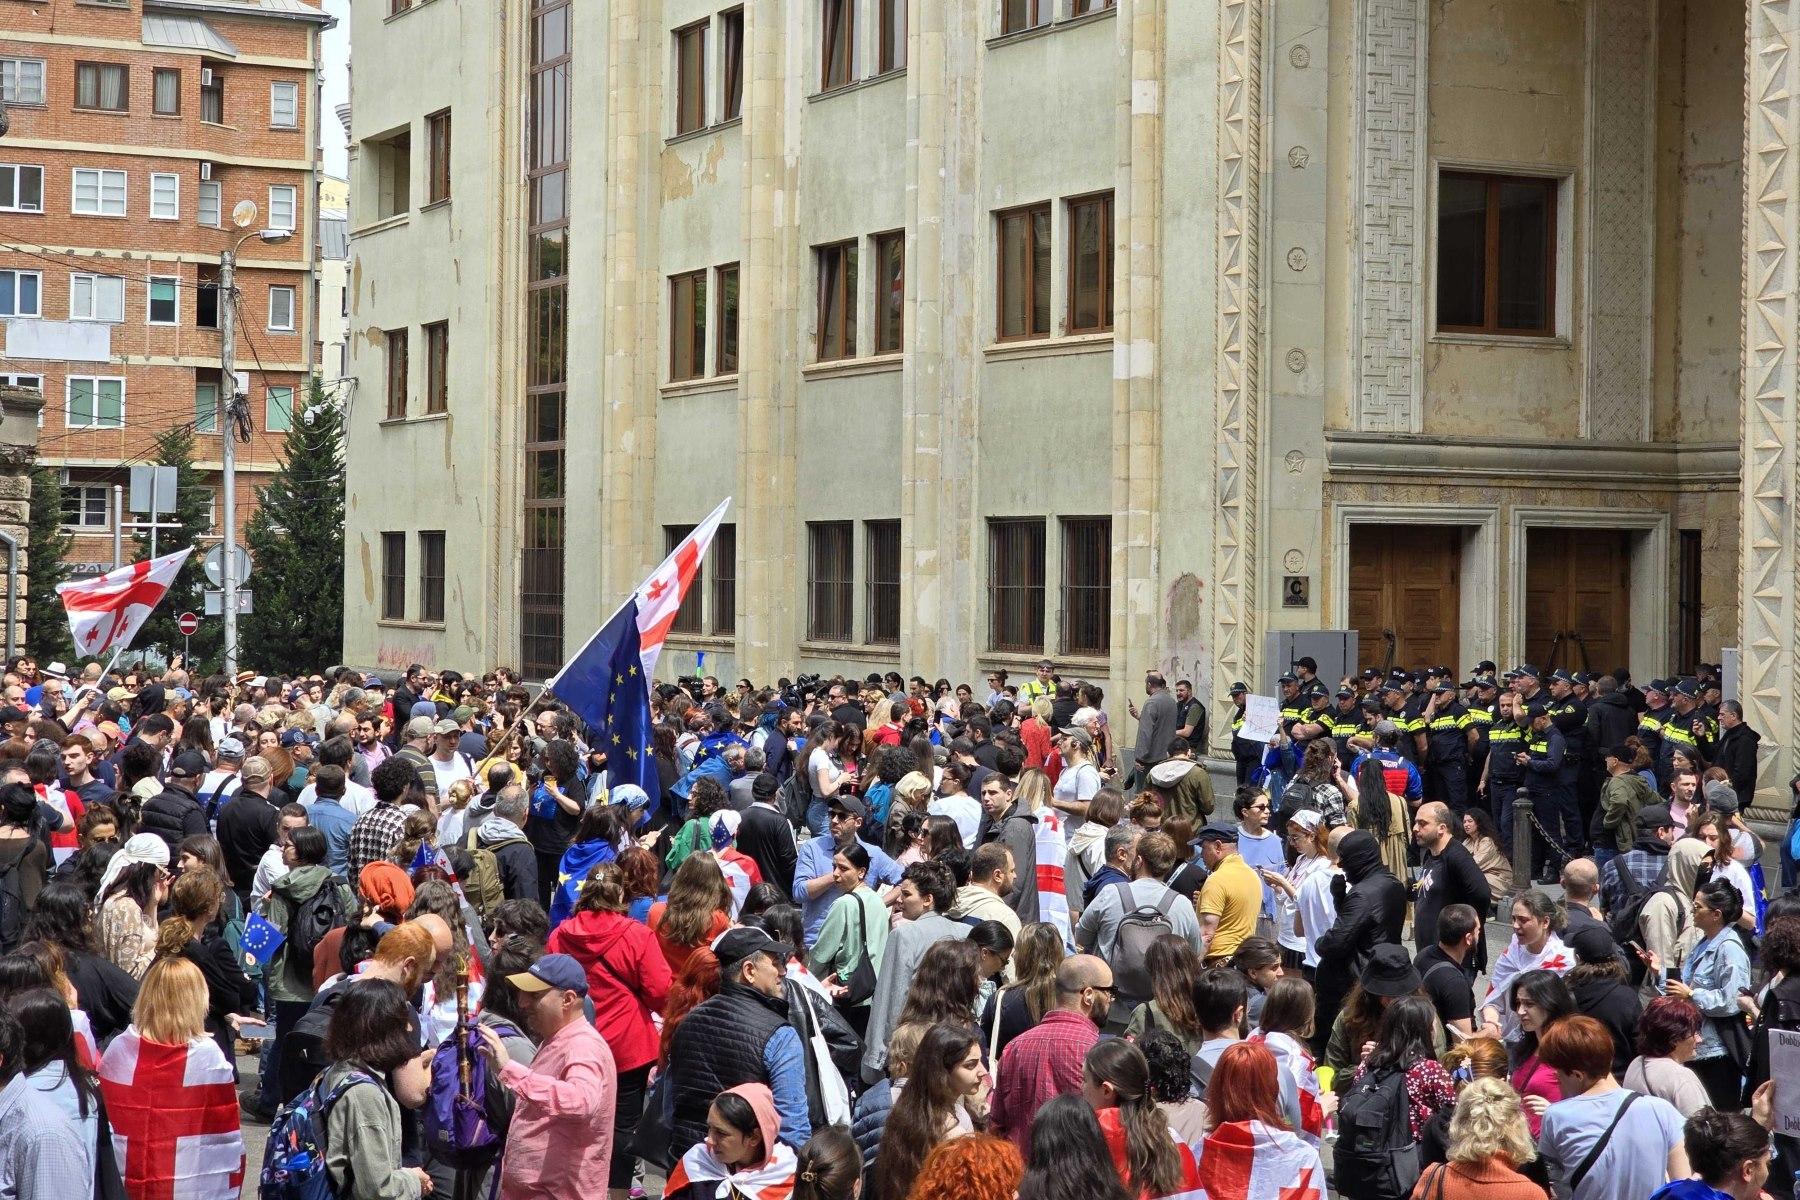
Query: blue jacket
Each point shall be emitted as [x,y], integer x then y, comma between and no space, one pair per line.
[868,1120]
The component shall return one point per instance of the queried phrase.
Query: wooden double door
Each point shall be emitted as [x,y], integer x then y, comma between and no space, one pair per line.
[1406,580]
[1578,598]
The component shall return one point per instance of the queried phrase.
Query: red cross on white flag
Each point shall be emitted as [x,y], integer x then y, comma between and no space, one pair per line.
[660,596]
[106,613]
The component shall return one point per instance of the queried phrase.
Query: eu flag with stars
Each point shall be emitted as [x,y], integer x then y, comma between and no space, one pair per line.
[261,940]
[606,686]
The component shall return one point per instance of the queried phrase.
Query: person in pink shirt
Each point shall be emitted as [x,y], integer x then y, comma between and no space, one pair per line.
[560,1142]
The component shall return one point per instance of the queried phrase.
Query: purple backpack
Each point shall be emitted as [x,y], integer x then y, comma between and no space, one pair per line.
[465,1132]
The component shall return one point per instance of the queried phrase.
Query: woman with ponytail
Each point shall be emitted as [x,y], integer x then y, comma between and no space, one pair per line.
[1115,1080]
[194,901]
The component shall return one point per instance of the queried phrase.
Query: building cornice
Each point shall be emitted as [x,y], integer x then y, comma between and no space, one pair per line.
[227,8]
[1637,464]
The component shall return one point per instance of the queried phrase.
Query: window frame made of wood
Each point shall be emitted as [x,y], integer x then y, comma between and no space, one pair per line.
[431,584]
[882,581]
[157,76]
[1030,14]
[890,284]
[837,283]
[722,618]
[438,134]
[437,366]
[396,369]
[890,49]
[690,616]
[88,69]
[1003,220]
[731,64]
[1103,302]
[844,578]
[687,326]
[393,575]
[1491,261]
[725,353]
[837,44]
[998,529]
[1073,594]
[690,77]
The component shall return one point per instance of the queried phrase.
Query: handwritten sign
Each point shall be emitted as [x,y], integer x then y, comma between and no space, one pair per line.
[1262,717]
[1784,1069]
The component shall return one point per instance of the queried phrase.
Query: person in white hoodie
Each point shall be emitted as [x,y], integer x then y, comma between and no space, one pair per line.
[1087,846]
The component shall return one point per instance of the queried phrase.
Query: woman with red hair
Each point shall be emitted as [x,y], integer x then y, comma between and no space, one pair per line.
[1248,1141]
[976,1167]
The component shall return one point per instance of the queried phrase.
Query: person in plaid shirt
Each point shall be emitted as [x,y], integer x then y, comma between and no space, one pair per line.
[377,831]
[1045,1061]
[1645,860]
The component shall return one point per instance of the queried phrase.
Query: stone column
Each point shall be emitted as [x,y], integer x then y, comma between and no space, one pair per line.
[1137,319]
[770,616]
[1771,425]
[19,411]
[945,220]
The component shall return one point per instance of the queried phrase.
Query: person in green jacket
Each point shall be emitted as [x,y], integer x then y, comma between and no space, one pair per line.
[289,976]
[706,798]
[376,1068]
[855,929]
[1621,796]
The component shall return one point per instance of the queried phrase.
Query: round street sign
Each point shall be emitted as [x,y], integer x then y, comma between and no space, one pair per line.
[188,623]
[215,565]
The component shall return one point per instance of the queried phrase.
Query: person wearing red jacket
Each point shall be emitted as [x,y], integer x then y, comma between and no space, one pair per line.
[628,980]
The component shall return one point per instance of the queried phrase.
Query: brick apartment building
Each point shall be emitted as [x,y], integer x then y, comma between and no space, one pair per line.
[137,126]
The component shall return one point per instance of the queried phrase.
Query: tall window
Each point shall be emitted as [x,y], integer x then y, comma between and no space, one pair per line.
[165,196]
[1086,585]
[1016,585]
[1090,264]
[206,408]
[390,162]
[837,47]
[210,201]
[284,104]
[690,78]
[396,374]
[731,63]
[21,188]
[206,297]
[1023,14]
[165,92]
[882,567]
[437,367]
[437,149]
[103,86]
[724,579]
[281,309]
[21,293]
[212,95]
[22,80]
[393,577]
[547,166]
[837,301]
[95,403]
[278,409]
[281,207]
[725,358]
[687,326]
[160,294]
[891,53]
[890,291]
[687,617]
[97,193]
[431,575]
[830,581]
[1024,270]
[1496,254]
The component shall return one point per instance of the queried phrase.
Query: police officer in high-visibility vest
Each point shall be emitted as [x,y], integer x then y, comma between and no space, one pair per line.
[1246,752]
[1293,704]
[1481,692]
[1448,740]
[1346,721]
[1394,709]
[1316,720]
[1682,728]
[1550,780]
[1502,774]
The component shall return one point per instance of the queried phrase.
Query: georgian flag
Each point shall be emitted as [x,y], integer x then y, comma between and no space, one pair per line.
[174,1112]
[1052,849]
[107,612]
[1299,1083]
[773,1179]
[660,595]
[1515,962]
[1247,1160]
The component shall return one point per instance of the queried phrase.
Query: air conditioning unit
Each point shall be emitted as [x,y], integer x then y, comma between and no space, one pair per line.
[206,77]
[206,171]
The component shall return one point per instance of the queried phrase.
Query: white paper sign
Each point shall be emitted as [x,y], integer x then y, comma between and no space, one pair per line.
[1784,1069]
[1262,718]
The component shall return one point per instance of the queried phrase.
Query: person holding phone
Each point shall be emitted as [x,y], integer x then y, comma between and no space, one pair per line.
[1712,975]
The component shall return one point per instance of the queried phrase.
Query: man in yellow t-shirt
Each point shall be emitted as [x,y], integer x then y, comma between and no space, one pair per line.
[1232,895]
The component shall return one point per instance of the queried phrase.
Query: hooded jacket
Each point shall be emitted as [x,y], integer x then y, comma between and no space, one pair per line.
[1668,915]
[1622,797]
[628,980]
[1610,720]
[1370,913]
[1737,758]
[285,898]
[701,1176]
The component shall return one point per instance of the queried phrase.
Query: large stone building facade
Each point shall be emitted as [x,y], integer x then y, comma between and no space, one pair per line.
[1123,335]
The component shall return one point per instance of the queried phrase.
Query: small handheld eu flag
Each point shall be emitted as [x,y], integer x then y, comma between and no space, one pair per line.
[261,940]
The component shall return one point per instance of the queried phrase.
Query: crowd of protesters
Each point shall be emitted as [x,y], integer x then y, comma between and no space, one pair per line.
[869,938]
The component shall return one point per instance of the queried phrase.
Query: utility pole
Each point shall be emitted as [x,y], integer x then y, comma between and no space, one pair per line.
[227,418]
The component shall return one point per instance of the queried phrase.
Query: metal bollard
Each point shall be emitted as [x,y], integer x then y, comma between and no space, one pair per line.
[1522,834]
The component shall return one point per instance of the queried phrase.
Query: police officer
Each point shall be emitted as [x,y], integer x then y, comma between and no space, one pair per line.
[1502,774]
[1682,729]
[1569,715]
[1344,722]
[1448,740]
[1393,709]
[1550,779]
[1293,704]
[1316,722]
[1246,752]
[1527,683]
[1481,692]
[1368,684]
[1307,672]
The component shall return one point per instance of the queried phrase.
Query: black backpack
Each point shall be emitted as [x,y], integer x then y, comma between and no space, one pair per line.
[1140,925]
[318,915]
[12,907]
[1377,1156]
[1625,920]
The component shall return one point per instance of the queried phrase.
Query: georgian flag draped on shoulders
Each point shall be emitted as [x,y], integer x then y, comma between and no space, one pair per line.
[1052,849]
[1247,1160]
[772,1180]
[1299,1080]
[106,613]
[174,1114]
[1515,962]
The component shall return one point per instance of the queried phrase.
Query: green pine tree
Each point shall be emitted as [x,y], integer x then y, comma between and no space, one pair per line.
[186,526]
[46,545]
[296,540]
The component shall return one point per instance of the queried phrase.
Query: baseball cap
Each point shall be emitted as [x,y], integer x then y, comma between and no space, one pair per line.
[1652,817]
[1533,712]
[189,764]
[1721,798]
[1080,737]
[1593,944]
[230,747]
[13,712]
[1527,669]
[418,727]
[1288,679]
[1346,693]
[724,827]
[1444,685]
[1385,728]
[850,804]
[423,708]
[1562,676]
[552,971]
[1687,687]
[299,737]
[1217,831]
[1371,673]
[118,694]
[1391,686]
[256,769]
[461,714]
[733,946]
[1485,667]
[445,725]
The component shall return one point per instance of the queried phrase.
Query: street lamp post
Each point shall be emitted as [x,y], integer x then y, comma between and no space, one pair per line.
[228,434]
